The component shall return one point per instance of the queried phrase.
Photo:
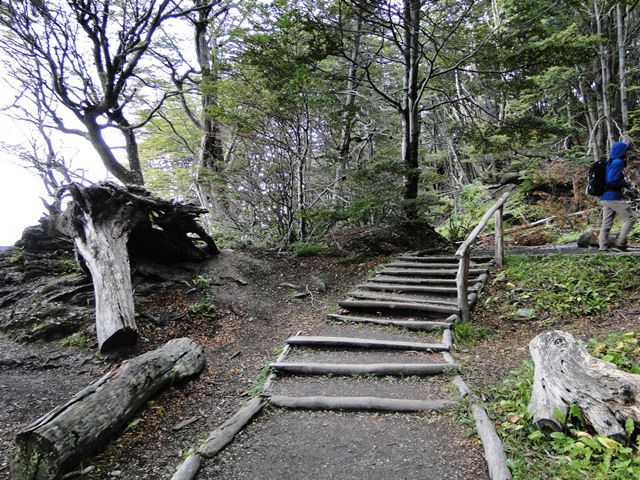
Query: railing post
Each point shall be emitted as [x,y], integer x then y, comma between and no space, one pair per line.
[462,281]
[499,237]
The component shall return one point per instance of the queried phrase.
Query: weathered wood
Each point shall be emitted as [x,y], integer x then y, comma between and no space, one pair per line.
[107,221]
[493,450]
[387,297]
[364,368]
[66,435]
[220,437]
[423,307]
[266,388]
[390,279]
[447,338]
[321,402]
[566,374]
[408,264]
[471,238]
[189,468]
[450,259]
[499,237]
[398,287]
[421,272]
[348,342]
[462,283]
[461,385]
[410,324]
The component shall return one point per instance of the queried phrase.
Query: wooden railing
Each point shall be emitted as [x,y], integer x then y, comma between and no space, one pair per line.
[464,251]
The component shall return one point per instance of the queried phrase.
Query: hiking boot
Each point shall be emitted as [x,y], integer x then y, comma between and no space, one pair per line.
[620,246]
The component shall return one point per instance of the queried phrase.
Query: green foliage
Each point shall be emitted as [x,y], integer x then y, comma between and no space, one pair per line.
[17,255]
[556,286]
[257,384]
[465,332]
[69,265]
[572,454]
[132,424]
[621,349]
[308,249]
[203,307]
[78,339]
[201,282]
[465,213]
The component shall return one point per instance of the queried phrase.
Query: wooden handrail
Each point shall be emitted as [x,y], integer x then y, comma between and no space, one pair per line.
[464,247]
[464,251]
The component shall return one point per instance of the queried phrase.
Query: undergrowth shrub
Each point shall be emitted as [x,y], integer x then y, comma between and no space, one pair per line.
[557,286]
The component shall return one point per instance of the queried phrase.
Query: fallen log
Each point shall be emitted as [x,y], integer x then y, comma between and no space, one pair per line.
[60,439]
[566,374]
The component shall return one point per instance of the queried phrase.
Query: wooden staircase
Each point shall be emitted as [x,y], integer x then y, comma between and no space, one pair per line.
[394,330]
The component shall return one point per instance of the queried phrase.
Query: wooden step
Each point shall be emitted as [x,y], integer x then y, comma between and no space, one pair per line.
[322,402]
[309,368]
[380,278]
[410,264]
[371,343]
[399,287]
[423,307]
[445,259]
[423,272]
[389,297]
[437,266]
[409,324]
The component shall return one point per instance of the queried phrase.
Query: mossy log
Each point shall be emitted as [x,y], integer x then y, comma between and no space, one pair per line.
[566,374]
[60,439]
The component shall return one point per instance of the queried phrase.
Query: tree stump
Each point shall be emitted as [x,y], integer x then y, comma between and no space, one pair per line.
[566,374]
[106,221]
[61,438]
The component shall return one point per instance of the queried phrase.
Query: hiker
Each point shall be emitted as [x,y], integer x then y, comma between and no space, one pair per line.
[613,202]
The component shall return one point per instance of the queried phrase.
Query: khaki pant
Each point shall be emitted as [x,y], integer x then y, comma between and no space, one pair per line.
[611,208]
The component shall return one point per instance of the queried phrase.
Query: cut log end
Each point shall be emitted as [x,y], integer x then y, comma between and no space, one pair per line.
[548,425]
[122,338]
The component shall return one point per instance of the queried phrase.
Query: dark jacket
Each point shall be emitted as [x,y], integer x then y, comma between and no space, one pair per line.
[615,179]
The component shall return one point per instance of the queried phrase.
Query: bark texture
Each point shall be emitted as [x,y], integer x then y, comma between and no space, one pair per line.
[57,441]
[566,374]
[108,222]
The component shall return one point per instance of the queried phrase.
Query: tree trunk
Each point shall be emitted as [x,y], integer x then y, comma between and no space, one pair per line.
[410,107]
[622,68]
[566,374]
[603,51]
[101,219]
[348,114]
[66,435]
[211,159]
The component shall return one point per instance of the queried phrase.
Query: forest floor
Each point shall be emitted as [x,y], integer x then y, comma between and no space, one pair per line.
[247,304]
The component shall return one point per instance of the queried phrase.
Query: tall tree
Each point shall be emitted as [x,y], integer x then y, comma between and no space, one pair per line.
[414,35]
[87,56]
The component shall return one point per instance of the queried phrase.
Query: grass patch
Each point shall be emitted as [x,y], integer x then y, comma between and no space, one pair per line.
[558,286]
[78,339]
[202,307]
[258,383]
[465,332]
[308,249]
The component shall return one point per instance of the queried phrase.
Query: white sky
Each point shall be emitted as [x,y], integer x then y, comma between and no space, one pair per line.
[20,189]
